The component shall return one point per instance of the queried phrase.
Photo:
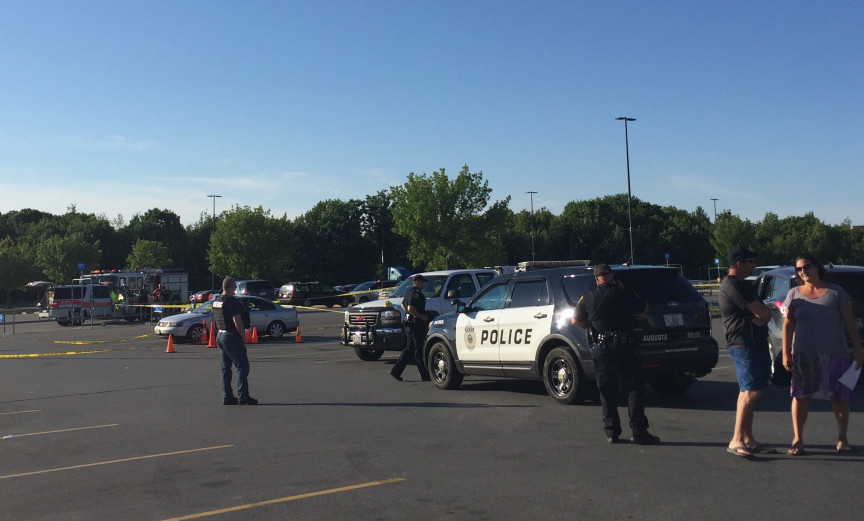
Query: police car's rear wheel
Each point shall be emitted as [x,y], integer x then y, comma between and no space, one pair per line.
[442,369]
[563,377]
[368,355]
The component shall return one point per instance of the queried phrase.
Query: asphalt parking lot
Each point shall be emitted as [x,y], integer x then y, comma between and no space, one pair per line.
[101,423]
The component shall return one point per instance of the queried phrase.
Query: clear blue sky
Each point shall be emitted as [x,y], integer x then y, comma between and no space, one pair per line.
[122,106]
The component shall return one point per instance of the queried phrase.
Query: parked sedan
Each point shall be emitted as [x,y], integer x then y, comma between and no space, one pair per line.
[268,318]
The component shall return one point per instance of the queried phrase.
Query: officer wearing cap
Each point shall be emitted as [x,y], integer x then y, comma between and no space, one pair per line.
[232,319]
[609,310]
[416,326]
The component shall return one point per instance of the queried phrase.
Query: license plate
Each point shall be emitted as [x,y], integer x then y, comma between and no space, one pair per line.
[356,339]
[673,320]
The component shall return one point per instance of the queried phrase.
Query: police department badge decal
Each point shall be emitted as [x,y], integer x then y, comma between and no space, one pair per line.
[470,339]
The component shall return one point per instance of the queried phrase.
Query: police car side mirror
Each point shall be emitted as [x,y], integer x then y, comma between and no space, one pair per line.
[458,305]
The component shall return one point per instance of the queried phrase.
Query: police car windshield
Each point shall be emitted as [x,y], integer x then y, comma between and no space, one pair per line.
[434,285]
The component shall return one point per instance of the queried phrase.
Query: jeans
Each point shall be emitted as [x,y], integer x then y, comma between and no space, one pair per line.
[233,353]
[416,334]
[616,364]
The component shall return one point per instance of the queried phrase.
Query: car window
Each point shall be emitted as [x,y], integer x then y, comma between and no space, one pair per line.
[853,283]
[100,291]
[402,289]
[491,298]
[776,288]
[463,284]
[528,293]
[659,286]
[577,285]
[434,285]
[484,278]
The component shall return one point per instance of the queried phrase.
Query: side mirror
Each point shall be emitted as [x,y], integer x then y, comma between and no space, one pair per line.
[458,305]
[452,294]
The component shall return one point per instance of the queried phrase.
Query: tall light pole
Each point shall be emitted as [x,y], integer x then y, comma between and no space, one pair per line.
[212,273]
[715,208]
[531,193]
[625,119]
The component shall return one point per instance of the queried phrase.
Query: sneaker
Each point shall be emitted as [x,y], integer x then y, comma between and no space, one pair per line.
[229,401]
[396,377]
[612,439]
[248,401]
[645,438]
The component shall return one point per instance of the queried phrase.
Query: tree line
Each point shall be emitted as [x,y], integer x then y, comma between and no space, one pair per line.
[432,221]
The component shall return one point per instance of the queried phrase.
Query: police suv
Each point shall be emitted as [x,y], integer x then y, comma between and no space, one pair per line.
[520,325]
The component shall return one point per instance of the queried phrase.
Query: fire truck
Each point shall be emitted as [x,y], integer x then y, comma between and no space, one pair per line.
[118,294]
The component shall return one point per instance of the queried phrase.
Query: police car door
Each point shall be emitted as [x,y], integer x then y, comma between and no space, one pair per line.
[524,322]
[477,330]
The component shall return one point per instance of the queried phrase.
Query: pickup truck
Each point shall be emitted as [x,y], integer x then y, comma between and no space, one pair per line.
[377,326]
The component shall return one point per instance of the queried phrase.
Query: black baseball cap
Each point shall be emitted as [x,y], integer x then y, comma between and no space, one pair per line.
[602,269]
[739,253]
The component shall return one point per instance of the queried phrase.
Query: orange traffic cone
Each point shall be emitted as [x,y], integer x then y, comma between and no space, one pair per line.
[298,339]
[204,333]
[254,336]
[170,347]
[212,341]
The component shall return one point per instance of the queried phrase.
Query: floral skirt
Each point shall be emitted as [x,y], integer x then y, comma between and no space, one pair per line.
[817,375]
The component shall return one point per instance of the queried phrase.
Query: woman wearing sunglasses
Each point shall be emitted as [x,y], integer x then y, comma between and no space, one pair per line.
[814,348]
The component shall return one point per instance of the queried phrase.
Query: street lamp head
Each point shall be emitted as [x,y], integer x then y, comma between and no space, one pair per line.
[625,118]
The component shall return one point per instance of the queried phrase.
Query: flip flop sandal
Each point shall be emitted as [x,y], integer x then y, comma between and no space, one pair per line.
[796,450]
[741,451]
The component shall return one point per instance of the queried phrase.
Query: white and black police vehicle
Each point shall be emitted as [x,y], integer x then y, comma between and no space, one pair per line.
[520,325]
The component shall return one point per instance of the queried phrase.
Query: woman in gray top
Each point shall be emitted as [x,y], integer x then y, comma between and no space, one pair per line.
[814,348]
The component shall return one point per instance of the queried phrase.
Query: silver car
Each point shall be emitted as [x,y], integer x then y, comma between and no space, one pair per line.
[268,318]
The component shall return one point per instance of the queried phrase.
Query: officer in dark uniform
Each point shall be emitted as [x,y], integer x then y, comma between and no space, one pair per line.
[608,311]
[416,326]
[232,320]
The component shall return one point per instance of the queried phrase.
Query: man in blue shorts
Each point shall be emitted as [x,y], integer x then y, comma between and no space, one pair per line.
[745,320]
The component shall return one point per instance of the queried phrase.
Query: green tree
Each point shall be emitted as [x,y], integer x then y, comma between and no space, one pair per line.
[198,262]
[250,244]
[17,262]
[390,248]
[445,220]
[148,254]
[334,247]
[163,226]
[730,231]
[58,256]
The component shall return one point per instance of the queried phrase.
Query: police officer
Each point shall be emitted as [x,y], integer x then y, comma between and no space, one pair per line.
[416,326]
[232,320]
[608,311]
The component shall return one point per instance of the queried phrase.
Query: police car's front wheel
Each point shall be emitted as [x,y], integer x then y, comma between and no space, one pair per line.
[563,377]
[442,369]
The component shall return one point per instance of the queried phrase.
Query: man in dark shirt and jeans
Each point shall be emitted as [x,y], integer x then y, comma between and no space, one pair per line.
[745,320]
[416,327]
[609,311]
[231,321]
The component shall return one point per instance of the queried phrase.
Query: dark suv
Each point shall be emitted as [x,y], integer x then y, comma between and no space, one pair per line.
[310,294]
[256,288]
[773,286]
[519,325]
